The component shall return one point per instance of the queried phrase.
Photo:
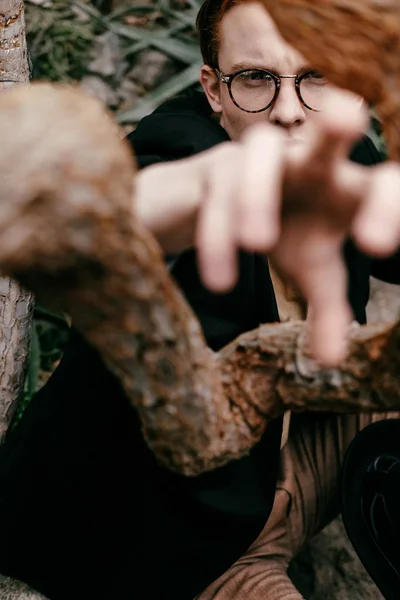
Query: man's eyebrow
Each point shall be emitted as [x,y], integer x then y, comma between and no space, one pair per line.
[255,65]
[248,65]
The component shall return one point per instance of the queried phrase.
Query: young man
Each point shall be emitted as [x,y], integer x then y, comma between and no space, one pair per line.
[85,510]
[251,76]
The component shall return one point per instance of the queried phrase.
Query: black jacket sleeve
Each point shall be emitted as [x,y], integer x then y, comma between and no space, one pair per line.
[178,129]
[387,270]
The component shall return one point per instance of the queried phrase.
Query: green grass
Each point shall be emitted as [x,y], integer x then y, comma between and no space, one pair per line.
[59,42]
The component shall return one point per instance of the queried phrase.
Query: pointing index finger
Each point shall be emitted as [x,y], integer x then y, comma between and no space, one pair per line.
[257,217]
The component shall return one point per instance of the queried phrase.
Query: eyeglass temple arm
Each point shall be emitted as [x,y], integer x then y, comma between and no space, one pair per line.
[222,77]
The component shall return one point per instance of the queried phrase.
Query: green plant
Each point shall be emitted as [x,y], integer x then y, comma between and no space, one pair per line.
[59,41]
[49,336]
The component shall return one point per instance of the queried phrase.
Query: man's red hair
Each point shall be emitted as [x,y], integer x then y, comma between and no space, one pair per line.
[208,21]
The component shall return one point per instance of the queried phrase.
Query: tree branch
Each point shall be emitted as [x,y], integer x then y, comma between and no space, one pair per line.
[68,232]
[269,370]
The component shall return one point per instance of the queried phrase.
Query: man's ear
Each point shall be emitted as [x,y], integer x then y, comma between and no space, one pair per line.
[211,86]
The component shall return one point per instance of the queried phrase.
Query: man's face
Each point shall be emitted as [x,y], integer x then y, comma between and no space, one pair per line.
[249,39]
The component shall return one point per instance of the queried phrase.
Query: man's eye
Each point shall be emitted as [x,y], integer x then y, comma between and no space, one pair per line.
[316,77]
[256,77]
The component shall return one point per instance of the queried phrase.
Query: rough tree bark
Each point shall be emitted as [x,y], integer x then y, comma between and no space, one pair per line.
[16,304]
[68,232]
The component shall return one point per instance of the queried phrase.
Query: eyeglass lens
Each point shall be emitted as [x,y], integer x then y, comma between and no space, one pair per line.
[254,90]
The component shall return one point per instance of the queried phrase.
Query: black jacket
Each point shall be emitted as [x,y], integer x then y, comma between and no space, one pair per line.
[85,511]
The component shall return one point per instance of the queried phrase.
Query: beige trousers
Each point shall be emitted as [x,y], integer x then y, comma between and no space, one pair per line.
[307,499]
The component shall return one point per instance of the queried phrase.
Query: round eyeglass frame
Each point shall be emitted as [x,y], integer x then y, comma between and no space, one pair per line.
[227,79]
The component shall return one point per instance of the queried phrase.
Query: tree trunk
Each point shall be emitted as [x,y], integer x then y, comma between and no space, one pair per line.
[16,304]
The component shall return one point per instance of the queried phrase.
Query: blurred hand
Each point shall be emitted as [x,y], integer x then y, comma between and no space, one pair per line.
[296,203]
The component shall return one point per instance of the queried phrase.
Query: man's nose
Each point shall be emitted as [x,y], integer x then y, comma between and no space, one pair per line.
[287,111]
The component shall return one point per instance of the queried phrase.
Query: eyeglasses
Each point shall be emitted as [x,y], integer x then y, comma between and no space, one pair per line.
[255,90]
